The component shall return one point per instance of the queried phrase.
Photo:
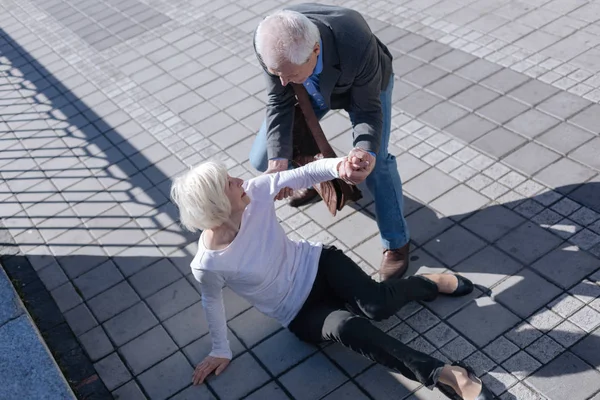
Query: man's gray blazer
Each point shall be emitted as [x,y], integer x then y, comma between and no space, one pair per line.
[356,68]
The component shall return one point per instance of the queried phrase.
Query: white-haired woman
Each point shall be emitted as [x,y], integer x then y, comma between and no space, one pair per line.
[315,291]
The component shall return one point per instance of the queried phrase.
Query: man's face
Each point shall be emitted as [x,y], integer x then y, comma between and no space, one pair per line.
[288,72]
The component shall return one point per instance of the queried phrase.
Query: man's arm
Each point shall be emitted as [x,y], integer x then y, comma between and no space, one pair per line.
[365,103]
[280,118]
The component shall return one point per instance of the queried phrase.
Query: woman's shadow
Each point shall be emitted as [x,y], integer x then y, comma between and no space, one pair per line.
[535,312]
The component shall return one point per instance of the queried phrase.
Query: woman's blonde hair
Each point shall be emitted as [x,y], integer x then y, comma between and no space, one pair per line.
[200,196]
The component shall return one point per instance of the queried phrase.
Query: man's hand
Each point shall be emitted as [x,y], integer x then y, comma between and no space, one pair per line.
[208,365]
[357,166]
[276,166]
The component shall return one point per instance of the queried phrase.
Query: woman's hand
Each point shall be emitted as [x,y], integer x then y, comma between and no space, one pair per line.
[208,365]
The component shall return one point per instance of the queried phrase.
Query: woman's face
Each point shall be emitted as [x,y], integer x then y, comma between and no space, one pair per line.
[236,195]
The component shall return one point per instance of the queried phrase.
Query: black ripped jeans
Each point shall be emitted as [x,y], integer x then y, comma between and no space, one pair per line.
[343,300]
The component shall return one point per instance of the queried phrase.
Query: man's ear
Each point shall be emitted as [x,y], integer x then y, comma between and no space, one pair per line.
[317,49]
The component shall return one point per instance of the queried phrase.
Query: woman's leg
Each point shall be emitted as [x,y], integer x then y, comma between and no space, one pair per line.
[326,322]
[363,295]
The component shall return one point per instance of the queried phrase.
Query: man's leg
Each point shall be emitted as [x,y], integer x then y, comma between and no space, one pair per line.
[385,185]
[258,153]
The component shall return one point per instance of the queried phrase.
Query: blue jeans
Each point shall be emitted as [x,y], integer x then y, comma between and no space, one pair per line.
[384,182]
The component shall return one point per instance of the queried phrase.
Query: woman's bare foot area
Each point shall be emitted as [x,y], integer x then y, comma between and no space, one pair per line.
[446,283]
[458,379]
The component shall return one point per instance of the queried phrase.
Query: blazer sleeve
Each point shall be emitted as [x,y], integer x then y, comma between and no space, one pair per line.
[279,118]
[365,103]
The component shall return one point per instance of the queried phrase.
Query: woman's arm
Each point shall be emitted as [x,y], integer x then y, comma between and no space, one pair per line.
[211,286]
[268,185]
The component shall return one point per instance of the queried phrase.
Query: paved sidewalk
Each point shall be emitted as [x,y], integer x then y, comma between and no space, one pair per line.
[496,133]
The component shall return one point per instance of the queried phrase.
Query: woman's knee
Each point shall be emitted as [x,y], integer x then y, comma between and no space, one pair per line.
[346,327]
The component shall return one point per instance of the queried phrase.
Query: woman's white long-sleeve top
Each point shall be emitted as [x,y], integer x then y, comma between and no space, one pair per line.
[273,273]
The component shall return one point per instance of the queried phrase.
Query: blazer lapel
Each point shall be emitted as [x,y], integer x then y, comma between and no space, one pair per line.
[331,63]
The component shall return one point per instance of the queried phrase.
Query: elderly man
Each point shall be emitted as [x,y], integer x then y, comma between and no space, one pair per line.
[341,63]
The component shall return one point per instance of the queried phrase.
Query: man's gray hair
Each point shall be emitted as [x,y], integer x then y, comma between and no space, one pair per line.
[286,36]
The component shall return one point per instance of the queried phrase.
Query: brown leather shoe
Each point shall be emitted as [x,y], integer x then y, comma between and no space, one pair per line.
[302,197]
[394,263]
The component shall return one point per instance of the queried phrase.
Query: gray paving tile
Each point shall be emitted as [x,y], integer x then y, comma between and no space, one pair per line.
[588,119]
[586,318]
[282,351]
[96,343]
[459,202]
[564,173]
[418,102]
[112,371]
[424,75]
[252,326]
[97,280]
[407,43]
[505,80]
[545,349]
[167,378]
[354,229]
[531,158]
[501,349]
[564,138]
[487,267]
[188,325]
[155,277]
[449,85]
[66,297]
[525,292]
[502,110]
[478,69]
[492,320]
[470,128]
[137,355]
[129,391]
[521,365]
[443,115]
[80,319]
[567,333]
[453,60]
[454,245]
[426,224]
[566,266]
[440,334]
[313,378]
[346,391]
[422,189]
[474,97]
[532,123]
[533,92]
[172,299]
[561,387]
[588,154]
[499,142]
[381,383]
[528,242]
[458,349]
[130,324]
[563,105]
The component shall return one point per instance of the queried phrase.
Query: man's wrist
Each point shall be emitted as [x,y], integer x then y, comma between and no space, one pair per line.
[372,153]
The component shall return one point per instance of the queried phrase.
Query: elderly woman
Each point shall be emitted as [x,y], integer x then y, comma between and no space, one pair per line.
[315,291]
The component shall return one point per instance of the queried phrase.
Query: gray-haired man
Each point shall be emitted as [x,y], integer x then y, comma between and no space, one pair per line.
[333,53]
